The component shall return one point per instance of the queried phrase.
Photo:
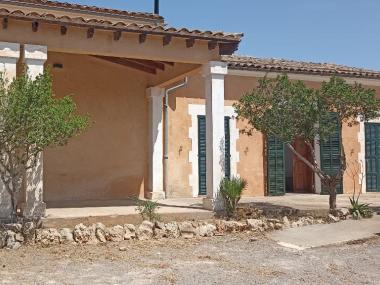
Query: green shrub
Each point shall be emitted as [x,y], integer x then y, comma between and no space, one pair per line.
[359,210]
[231,190]
[148,210]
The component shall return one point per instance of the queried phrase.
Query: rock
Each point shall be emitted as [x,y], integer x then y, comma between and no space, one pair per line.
[145,230]
[172,230]
[29,232]
[187,230]
[253,239]
[19,237]
[3,238]
[67,236]
[278,226]
[231,226]
[13,227]
[343,213]
[159,225]
[130,231]
[333,219]
[116,234]
[206,230]
[286,222]
[82,234]
[10,240]
[122,248]
[101,232]
[48,236]
[271,225]
[160,233]
[255,224]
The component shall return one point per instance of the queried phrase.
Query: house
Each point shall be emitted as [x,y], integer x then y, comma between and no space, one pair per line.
[121,68]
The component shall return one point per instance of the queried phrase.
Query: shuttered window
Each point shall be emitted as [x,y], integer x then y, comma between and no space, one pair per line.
[330,155]
[275,167]
[202,152]
[372,156]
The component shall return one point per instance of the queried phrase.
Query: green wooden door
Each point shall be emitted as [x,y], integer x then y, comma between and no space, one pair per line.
[227,148]
[372,156]
[275,167]
[202,152]
[330,155]
[202,155]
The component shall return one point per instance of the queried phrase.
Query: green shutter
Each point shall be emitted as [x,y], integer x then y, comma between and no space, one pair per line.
[202,152]
[330,155]
[275,167]
[227,148]
[372,156]
[202,155]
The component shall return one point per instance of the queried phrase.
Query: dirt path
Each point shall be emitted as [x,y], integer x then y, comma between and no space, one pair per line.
[231,259]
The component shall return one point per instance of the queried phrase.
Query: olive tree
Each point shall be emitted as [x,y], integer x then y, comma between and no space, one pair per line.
[289,110]
[31,119]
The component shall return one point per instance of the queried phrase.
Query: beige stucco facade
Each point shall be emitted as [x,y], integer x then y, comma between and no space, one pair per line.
[117,156]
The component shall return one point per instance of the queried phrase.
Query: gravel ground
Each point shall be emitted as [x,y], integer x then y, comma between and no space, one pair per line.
[232,259]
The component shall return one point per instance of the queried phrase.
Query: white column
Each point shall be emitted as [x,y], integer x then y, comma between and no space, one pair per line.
[155,97]
[317,152]
[214,73]
[9,55]
[35,58]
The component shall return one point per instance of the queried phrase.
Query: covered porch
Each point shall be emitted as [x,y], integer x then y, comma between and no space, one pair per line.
[117,72]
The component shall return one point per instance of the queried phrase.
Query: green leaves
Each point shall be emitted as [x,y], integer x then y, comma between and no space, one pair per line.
[231,190]
[32,119]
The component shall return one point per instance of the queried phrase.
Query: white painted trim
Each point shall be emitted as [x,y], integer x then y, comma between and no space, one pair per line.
[361,154]
[194,111]
[317,153]
[303,77]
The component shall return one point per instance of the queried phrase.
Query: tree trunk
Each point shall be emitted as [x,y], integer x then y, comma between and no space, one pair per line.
[332,199]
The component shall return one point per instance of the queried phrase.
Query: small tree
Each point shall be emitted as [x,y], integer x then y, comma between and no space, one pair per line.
[289,110]
[31,119]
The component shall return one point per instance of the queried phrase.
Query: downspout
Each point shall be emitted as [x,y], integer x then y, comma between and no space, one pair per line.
[166,129]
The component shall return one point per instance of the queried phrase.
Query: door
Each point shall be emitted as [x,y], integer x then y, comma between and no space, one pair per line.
[330,155]
[202,152]
[372,156]
[275,167]
[302,174]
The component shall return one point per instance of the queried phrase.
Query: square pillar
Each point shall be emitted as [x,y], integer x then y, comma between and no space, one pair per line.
[34,59]
[9,55]
[155,97]
[214,73]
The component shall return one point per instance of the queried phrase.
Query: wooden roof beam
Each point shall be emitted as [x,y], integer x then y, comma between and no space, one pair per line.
[128,63]
[63,30]
[116,35]
[5,23]
[142,38]
[35,26]
[90,33]
[190,42]
[166,40]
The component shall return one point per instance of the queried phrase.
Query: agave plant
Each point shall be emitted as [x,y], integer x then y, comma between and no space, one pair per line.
[231,190]
[359,210]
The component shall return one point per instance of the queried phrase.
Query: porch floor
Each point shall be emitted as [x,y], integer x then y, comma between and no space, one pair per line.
[191,208]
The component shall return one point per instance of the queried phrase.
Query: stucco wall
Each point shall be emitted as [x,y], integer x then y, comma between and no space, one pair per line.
[109,160]
[251,165]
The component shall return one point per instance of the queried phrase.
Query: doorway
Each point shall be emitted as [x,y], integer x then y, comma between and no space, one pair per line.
[298,176]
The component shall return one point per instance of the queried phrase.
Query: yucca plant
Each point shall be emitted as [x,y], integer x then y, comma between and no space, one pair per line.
[230,190]
[359,210]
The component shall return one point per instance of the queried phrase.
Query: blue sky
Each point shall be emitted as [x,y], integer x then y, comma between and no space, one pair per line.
[337,31]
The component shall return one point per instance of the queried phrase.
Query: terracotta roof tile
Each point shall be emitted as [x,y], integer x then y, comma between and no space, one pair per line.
[292,66]
[224,38]
[78,7]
